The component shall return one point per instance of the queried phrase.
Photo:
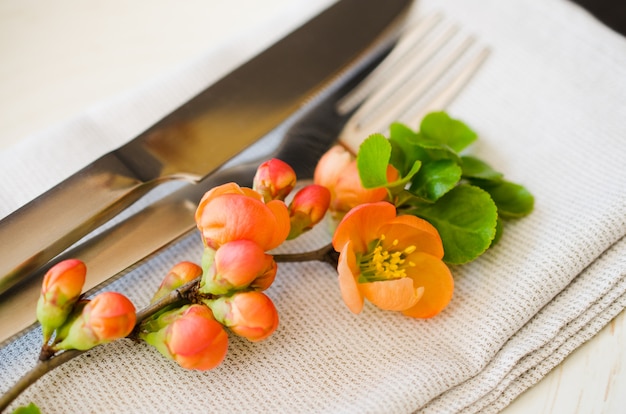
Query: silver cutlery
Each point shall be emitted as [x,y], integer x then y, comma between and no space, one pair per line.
[201,135]
[432,57]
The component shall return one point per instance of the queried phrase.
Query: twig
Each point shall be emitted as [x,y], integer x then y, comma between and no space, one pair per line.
[184,293]
[53,361]
[324,254]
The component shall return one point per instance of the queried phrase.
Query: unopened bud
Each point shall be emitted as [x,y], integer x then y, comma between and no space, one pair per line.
[188,335]
[179,275]
[77,310]
[236,265]
[250,314]
[308,208]
[229,212]
[331,166]
[274,179]
[61,288]
[107,317]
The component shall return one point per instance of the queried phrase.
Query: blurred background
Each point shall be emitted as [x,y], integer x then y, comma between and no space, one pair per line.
[58,58]
[611,12]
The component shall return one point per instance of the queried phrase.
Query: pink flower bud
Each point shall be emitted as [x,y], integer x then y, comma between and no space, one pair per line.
[107,317]
[274,179]
[349,191]
[229,212]
[330,166]
[266,279]
[337,171]
[308,208]
[61,288]
[250,314]
[77,310]
[236,265]
[179,275]
[190,336]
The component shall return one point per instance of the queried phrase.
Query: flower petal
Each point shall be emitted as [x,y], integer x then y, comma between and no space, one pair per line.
[228,188]
[432,274]
[330,166]
[417,223]
[394,295]
[232,217]
[413,231]
[196,340]
[282,224]
[347,270]
[362,225]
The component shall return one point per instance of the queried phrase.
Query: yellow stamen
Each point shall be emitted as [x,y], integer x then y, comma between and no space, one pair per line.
[381,264]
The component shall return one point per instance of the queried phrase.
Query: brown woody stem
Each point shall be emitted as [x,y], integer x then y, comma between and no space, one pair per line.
[50,360]
[324,254]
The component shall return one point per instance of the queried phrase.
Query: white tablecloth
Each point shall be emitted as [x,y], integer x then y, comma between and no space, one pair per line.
[549,106]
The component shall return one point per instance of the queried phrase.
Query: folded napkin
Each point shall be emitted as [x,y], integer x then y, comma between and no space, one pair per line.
[548,106]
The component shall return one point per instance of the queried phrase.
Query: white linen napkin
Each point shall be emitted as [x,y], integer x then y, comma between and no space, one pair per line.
[549,108]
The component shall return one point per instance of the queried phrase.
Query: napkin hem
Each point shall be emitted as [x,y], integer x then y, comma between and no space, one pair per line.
[577,321]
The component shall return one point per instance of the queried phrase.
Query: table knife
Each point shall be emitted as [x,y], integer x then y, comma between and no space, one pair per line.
[142,234]
[198,137]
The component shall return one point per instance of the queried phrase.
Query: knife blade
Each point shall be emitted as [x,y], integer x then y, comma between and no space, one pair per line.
[234,112]
[309,133]
[141,235]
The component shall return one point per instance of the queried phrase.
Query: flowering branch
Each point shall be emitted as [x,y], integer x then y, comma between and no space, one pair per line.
[50,360]
[42,368]
[177,296]
[396,206]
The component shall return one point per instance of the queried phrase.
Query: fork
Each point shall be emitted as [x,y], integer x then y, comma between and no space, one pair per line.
[429,65]
[426,69]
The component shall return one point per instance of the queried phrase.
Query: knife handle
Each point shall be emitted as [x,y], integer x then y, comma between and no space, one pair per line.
[63,215]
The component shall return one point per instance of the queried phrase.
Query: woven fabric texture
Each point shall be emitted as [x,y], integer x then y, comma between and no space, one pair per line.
[549,109]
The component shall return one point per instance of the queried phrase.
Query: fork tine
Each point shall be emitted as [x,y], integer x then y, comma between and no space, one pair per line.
[407,42]
[405,71]
[407,86]
[448,92]
[412,91]
[413,82]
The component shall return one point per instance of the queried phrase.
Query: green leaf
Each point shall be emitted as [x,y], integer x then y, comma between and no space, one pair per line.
[513,200]
[432,149]
[478,169]
[409,146]
[440,127]
[435,178]
[466,219]
[27,409]
[404,151]
[372,160]
[499,230]
[400,183]
[398,158]
[401,133]
[405,201]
